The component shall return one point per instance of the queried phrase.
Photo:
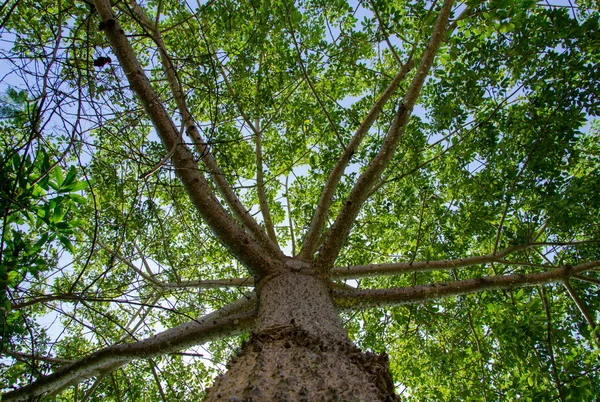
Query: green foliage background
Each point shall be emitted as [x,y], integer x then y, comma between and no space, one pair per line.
[503,149]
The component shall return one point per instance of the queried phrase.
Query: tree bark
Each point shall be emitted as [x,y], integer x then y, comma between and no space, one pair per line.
[299,351]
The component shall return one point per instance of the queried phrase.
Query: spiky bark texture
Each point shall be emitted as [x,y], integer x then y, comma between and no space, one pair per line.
[299,351]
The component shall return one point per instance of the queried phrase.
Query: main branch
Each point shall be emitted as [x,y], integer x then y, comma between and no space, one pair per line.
[359,299]
[223,322]
[244,247]
[192,130]
[359,193]
[363,271]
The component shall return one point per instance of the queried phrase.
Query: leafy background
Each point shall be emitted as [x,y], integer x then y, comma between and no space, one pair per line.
[503,149]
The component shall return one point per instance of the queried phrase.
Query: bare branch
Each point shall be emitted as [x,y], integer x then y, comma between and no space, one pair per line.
[344,221]
[201,284]
[385,34]
[587,279]
[312,236]
[289,212]
[583,309]
[192,130]
[359,299]
[211,283]
[260,185]
[224,322]
[152,365]
[555,374]
[195,184]
[362,271]
[93,388]
[29,357]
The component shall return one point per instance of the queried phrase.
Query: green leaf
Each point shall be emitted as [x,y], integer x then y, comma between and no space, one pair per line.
[78,198]
[11,277]
[58,177]
[65,241]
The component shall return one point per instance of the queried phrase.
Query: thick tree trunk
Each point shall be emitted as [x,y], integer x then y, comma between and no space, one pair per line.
[299,351]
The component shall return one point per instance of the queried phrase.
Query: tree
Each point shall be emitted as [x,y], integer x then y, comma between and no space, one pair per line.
[291,183]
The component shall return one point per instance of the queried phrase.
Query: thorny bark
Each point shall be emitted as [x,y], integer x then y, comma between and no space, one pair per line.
[299,350]
[213,325]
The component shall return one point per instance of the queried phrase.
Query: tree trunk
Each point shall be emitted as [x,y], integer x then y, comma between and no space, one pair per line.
[299,351]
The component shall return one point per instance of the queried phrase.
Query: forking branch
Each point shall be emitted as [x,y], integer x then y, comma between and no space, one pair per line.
[248,250]
[359,193]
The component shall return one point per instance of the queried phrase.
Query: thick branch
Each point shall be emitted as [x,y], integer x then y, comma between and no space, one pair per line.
[359,193]
[104,361]
[362,271]
[318,220]
[358,299]
[192,130]
[196,186]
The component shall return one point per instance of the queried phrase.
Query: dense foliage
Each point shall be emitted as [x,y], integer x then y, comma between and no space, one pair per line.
[101,244]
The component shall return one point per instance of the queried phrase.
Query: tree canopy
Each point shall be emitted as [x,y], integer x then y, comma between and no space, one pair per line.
[437,162]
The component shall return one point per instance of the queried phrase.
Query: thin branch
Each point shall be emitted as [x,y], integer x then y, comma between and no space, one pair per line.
[418,242]
[260,185]
[385,34]
[200,284]
[93,388]
[550,347]
[312,87]
[125,261]
[479,351]
[587,279]
[211,283]
[140,317]
[157,380]
[359,299]
[289,212]
[352,205]
[583,309]
[27,357]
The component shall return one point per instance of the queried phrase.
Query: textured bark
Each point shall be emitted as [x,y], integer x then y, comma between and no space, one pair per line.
[299,351]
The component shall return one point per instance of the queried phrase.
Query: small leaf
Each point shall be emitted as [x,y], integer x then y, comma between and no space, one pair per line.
[11,276]
[65,241]
[58,176]
[81,185]
[78,199]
